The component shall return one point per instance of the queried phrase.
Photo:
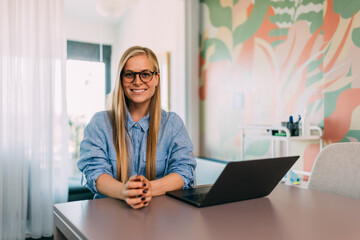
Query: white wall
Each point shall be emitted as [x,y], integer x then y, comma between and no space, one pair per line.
[160,26]
[192,100]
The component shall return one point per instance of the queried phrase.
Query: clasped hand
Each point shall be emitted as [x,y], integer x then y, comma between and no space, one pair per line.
[137,192]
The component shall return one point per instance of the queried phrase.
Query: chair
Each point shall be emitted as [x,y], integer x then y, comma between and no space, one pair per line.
[77,191]
[337,170]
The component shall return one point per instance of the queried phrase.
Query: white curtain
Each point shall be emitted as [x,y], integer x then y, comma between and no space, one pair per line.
[33,124]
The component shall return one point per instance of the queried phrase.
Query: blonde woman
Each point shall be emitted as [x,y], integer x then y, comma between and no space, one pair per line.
[135,150]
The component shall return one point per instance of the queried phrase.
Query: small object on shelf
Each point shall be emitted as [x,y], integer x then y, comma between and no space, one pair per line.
[294,178]
[305,125]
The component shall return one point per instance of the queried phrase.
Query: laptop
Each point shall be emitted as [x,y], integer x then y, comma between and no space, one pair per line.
[240,180]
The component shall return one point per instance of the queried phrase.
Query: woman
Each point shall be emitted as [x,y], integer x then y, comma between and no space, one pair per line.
[135,150]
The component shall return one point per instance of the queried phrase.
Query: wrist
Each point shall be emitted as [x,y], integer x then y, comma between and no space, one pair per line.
[121,194]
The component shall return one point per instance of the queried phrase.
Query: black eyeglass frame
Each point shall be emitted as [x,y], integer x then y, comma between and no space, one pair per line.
[138,73]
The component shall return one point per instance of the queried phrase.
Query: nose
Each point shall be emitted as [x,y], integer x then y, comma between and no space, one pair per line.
[137,79]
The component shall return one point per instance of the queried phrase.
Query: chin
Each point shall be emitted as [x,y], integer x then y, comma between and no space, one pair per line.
[140,101]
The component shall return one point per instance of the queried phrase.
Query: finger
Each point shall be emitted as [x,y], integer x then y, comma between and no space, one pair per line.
[146,193]
[139,206]
[144,203]
[142,178]
[146,199]
[133,177]
[145,183]
[134,185]
[134,201]
[131,180]
[135,193]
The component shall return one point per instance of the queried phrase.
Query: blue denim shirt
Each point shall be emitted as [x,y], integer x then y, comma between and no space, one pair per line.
[173,154]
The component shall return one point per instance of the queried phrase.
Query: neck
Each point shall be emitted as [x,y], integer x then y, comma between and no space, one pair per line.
[138,111]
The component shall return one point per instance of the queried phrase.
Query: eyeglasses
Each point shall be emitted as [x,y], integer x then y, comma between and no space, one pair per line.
[145,76]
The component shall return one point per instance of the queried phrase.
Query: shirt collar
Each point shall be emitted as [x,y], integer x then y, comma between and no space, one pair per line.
[143,122]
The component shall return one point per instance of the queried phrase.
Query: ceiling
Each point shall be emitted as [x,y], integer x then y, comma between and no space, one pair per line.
[86,10]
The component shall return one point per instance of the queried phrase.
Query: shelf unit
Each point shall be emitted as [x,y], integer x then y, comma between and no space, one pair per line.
[253,131]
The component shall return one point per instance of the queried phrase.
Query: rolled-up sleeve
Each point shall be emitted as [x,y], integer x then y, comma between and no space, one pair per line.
[93,159]
[181,160]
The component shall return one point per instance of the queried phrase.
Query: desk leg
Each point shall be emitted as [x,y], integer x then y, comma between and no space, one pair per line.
[64,231]
[59,235]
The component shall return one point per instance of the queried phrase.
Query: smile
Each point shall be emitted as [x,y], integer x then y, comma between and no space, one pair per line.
[138,90]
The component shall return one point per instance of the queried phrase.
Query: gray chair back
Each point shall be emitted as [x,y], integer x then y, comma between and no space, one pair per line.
[337,170]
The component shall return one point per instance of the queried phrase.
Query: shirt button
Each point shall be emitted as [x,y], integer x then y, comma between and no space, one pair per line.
[136,124]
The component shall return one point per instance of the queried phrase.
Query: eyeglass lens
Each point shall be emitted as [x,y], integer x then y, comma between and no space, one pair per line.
[145,76]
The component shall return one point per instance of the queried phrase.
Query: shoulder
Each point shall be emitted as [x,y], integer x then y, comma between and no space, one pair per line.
[100,120]
[171,120]
[100,116]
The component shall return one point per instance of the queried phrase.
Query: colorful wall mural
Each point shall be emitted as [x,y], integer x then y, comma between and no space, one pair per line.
[262,61]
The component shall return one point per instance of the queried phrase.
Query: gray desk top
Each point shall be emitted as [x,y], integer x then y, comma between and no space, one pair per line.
[288,213]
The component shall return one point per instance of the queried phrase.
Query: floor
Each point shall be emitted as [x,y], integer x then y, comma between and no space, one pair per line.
[43,238]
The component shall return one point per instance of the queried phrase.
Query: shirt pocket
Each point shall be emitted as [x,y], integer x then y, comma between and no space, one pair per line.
[161,163]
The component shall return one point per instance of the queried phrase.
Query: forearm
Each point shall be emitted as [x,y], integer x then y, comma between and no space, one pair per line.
[170,182]
[109,186]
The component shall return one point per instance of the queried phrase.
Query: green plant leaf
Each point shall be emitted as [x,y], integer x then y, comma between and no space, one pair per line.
[284,17]
[315,19]
[346,8]
[283,4]
[352,134]
[356,36]
[315,78]
[349,72]
[246,30]
[314,64]
[306,2]
[221,50]
[276,42]
[330,99]
[219,16]
[278,32]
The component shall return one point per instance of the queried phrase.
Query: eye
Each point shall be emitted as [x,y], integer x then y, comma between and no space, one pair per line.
[145,74]
[128,75]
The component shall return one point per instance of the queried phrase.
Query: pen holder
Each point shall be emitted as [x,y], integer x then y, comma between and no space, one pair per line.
[292,126]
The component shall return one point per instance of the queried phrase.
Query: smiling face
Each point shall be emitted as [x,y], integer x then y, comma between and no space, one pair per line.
[137,92]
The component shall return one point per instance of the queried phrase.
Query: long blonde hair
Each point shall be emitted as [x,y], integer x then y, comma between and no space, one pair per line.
[118,117]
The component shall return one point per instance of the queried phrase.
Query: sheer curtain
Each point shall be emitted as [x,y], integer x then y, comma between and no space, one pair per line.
[33,123]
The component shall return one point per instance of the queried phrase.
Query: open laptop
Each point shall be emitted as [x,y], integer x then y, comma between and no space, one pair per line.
[238,181]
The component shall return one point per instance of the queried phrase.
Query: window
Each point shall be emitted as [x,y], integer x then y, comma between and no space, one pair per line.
[88,82]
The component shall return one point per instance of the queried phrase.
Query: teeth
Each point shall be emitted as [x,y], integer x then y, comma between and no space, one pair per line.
[138,90]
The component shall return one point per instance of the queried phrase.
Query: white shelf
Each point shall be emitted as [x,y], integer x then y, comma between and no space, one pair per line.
[308,138]
[253,131]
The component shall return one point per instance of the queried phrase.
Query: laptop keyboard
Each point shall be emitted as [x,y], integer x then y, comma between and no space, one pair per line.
[196,197]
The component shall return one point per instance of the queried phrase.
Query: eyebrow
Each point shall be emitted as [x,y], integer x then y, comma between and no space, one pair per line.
[128,70]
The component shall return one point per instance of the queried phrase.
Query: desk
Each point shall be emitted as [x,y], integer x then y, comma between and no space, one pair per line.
[288,213]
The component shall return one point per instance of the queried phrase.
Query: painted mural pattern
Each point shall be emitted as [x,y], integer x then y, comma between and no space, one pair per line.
[262,61]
